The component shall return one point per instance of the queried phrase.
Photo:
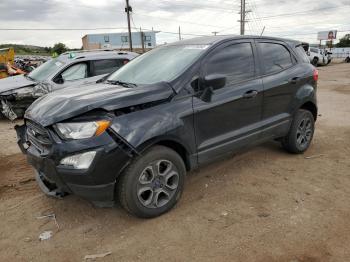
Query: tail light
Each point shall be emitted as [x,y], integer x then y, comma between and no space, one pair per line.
[315,75]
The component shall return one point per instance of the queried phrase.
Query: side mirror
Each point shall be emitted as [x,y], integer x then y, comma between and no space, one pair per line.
[59,80]
[215,81]
[211,83]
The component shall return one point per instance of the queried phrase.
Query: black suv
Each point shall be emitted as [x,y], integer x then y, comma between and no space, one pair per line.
[133,136]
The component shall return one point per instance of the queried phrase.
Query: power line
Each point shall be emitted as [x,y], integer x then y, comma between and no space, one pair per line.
[301,12]
[62,29]
[177,20]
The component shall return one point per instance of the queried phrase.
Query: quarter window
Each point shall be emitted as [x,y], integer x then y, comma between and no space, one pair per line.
[107,66]
[236,62]
[276,57]
[302,54]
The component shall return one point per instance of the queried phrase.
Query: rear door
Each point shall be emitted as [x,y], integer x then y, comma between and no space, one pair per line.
[232,118]
[281,78]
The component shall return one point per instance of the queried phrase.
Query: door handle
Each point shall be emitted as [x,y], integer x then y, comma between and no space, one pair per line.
[250,94]
[294,80]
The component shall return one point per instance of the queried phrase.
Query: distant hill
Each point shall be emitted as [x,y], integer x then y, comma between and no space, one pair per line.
[28,49]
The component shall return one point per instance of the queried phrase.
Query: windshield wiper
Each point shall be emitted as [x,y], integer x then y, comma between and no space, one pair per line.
[125,84]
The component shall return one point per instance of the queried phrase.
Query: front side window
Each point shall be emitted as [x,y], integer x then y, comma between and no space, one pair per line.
[107,66]
[158,65]
[275,57]
[75,72]
[236,62]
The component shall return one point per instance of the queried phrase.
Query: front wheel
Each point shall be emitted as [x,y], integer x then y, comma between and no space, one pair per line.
[315,61]
[153,182]
[301,132]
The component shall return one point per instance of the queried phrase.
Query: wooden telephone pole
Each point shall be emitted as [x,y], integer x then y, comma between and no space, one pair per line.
[243,20]
[128,9]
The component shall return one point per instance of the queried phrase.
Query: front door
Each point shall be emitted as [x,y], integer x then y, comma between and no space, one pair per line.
[232,118]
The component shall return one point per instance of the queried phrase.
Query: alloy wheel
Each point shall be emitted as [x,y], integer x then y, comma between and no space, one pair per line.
[304,132]
[157,184]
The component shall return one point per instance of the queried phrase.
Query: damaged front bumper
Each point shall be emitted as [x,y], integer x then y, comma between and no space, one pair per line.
[96,184]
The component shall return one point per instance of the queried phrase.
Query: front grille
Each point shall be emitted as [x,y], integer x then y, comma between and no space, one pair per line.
[39,137]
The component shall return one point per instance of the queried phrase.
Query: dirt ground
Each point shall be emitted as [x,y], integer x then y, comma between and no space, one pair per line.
[261,205]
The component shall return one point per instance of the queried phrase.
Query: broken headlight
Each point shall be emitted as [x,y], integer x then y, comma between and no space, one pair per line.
[81,130]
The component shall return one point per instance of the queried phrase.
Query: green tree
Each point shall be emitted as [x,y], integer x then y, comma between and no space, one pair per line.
[59,48]
[344,41]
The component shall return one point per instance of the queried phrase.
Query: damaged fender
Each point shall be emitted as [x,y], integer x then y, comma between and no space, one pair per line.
[21,98]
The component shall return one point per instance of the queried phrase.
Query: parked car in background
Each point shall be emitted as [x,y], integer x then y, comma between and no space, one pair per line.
[319,56]
[69,69]
[133,136]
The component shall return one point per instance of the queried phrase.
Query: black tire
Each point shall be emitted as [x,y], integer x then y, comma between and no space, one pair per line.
[300,133]
[144,191]
[315,61]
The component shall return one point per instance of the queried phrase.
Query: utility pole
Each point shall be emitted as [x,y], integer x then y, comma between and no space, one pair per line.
[142,40]
[179,33]
[128,9]
[215,32]
[243,20]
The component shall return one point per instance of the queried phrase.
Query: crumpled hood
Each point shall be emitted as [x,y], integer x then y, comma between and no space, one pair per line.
[15,82]
[71,102]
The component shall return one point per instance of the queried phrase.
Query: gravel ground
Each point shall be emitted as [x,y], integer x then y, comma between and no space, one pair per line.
[259,205]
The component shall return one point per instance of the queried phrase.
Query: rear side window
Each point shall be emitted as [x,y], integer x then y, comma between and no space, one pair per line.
[107,66]
[302,54]
[276,57]
[236,62]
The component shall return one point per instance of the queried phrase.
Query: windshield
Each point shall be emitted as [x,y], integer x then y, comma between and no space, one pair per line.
[161,64]
[45,70]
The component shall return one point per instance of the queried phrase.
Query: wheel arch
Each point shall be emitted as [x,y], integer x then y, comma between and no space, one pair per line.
[172,143]
[310,106]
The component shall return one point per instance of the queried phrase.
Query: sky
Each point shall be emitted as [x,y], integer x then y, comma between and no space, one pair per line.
[69,20]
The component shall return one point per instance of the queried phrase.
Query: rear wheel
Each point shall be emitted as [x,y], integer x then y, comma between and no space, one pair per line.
[153,183]
[301,132]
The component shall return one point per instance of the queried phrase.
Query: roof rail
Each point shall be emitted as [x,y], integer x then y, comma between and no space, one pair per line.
[87,51]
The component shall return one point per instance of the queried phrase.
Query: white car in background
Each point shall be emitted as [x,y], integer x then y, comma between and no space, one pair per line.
[319,56]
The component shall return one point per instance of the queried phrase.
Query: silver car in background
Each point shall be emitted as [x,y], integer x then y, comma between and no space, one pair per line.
[69,69]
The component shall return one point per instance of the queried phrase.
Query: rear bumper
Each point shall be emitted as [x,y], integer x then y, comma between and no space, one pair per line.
[96,184]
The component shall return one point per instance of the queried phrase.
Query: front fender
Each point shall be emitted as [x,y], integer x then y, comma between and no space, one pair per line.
[169,121]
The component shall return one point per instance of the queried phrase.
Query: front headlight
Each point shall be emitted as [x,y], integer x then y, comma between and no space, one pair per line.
[81,130]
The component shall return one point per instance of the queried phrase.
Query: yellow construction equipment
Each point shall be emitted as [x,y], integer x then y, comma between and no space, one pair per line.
[7,58]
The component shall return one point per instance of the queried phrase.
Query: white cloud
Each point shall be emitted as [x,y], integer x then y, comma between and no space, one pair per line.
[195,18]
